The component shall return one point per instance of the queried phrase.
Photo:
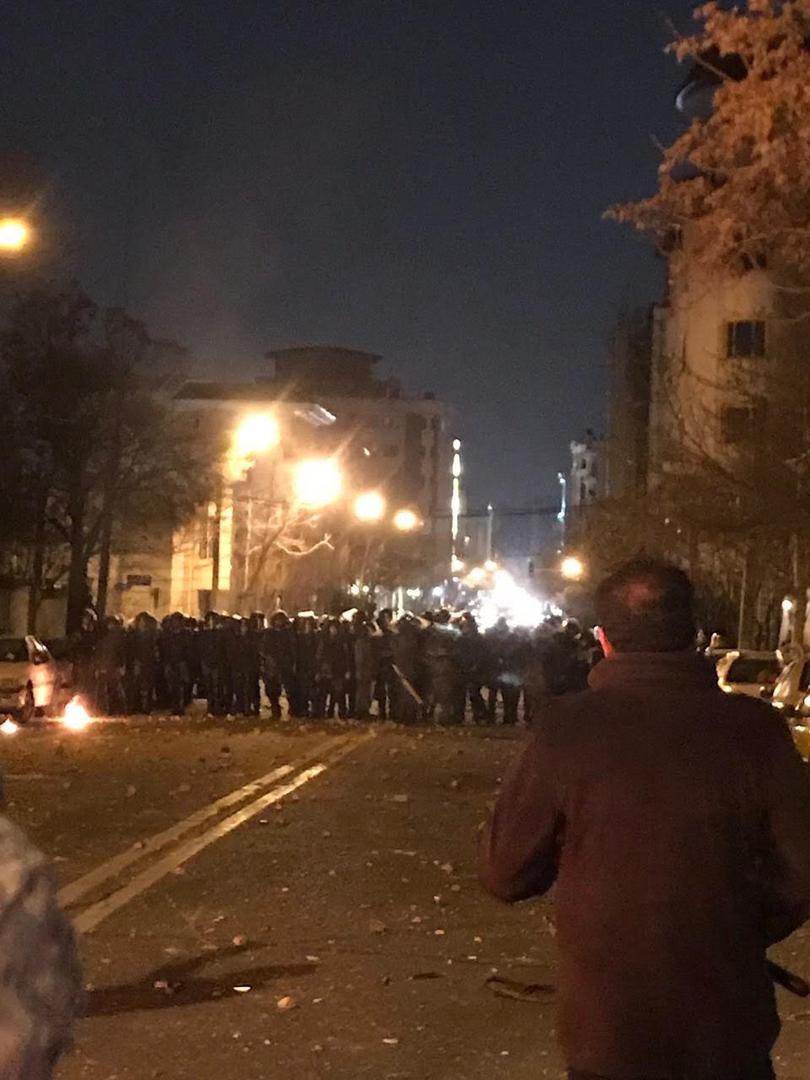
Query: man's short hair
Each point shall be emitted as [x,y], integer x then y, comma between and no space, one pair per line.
[647,605]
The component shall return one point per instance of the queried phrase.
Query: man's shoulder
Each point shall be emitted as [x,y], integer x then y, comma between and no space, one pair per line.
[760,720]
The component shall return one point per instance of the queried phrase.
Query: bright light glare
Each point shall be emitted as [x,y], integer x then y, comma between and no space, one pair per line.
[787,605]
[256,435]
[370,506]
[8,727]
[406,520]
[490,566]
[477,575]
[508,600]
[76,717]
[572,568]
[14,235]
[318,482]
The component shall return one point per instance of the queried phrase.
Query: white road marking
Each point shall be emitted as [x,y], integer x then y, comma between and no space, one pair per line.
[113,867]
[92,916]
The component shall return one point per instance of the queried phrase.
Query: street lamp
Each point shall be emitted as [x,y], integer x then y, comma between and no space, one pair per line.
[257,434]
[406,520]
[369,507]
[572,568]
[317,482]
[15,235]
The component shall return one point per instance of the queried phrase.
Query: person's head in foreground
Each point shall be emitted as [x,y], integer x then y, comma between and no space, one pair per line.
[646,606]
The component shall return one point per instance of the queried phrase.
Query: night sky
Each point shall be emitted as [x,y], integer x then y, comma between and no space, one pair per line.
[423,180]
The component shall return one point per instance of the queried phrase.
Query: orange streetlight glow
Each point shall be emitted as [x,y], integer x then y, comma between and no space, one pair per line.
[406,520]
[572,568]
[370,506]
[317,482]
[256,435]
[14,235]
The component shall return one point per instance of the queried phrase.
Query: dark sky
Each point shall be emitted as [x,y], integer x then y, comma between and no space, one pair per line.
[424,180]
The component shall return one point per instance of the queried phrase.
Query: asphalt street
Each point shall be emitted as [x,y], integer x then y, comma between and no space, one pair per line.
[256,903]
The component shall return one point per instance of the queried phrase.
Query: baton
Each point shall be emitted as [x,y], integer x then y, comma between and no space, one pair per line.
[408,686]
[782,977]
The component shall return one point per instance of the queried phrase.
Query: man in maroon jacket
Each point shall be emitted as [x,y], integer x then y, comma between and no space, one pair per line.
[675,821]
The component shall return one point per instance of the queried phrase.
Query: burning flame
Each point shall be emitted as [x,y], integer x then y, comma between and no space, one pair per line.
[76,717]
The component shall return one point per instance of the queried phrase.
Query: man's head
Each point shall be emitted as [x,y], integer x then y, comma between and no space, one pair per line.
[646,605]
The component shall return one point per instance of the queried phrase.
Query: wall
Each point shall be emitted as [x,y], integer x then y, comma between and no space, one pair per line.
[693,380]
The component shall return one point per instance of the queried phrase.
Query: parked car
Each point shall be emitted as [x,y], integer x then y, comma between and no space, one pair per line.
[28,677]
[791,696]
[751,673]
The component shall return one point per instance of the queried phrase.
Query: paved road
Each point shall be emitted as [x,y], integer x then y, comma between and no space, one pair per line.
[258,903]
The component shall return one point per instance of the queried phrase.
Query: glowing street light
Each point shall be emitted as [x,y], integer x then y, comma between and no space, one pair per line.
[257,434]
[369,507]
[317,482]
[15,235]
[572,568]
[406,520]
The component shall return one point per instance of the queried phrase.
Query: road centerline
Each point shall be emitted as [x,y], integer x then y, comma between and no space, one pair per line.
[89,919]
[113,867]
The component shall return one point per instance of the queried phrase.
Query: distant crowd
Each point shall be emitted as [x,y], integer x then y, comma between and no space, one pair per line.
[437,667]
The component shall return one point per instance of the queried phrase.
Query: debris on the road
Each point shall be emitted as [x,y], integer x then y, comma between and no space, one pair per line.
[424,975]
[284,1004]
[400,798]
[131,790]
[376,926]
[391,1042]
[240,940]
[519,991]
[242,989]
[447,868]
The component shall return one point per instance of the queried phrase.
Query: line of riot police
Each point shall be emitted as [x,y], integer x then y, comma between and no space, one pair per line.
[436,667]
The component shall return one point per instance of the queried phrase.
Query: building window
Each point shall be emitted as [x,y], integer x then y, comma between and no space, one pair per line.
[739,422]
[745,339]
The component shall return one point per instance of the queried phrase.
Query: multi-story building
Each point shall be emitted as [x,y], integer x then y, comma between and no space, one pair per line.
[326,403]
[586,479]
[626,445]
